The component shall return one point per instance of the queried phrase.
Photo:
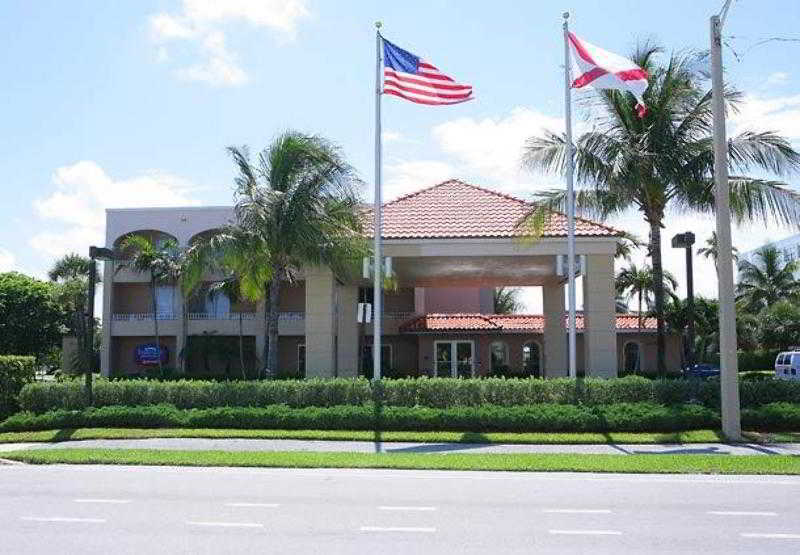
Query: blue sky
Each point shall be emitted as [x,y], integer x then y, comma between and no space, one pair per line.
[109,104]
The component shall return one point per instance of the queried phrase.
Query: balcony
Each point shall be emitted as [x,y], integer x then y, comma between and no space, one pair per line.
[223,316]
[142,316]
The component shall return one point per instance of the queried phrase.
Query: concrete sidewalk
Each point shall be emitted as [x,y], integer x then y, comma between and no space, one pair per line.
[201,444]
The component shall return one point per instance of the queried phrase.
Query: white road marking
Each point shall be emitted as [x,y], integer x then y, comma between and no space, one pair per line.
[396,529]
[586,532]
[227,524]
[61,519]
[112,501]
[391,508]
[743,513]
[772,536]
[269,505]
[579,511]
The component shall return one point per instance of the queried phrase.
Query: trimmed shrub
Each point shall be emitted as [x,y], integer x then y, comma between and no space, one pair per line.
[620,417]
[774,417]
[15,372]
[408,392]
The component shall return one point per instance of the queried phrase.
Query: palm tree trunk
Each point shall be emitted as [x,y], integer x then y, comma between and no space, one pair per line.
[241,345]
[155,322]
[640,310]
[184,333]
[658,290]
[272,328]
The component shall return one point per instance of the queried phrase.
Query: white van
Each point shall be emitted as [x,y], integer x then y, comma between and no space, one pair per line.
[787,365]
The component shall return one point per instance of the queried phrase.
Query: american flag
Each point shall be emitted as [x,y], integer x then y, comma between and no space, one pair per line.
[408,76]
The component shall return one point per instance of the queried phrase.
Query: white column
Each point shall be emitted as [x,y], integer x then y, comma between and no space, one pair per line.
[108,325]
[347,333]
[555,333]
[600,330]
[320,323]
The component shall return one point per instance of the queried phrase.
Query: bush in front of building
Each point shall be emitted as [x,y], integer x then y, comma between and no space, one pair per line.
[620,417]
[15,372]
[410,392]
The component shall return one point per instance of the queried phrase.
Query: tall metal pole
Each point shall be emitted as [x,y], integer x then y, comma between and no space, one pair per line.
[377,274]
[729,370]
[570,201]
[690,300]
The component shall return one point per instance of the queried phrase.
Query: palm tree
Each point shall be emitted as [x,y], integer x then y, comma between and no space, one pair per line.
[71,274]
[711,250]
[640,283]
[166,263]
[295,206]
[506,300]
[626,245]
[766,280]
[665,160]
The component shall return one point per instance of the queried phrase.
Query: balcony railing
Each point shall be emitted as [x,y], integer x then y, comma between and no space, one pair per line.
[222,316]
[399,315]
[140,316]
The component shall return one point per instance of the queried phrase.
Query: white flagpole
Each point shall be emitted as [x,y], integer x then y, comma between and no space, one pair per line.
[570,201]
[377,291]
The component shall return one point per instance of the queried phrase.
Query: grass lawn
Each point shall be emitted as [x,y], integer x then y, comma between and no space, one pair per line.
[650,464]
[694,436]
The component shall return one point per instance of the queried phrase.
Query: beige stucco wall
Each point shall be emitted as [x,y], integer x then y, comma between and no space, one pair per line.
[131,298]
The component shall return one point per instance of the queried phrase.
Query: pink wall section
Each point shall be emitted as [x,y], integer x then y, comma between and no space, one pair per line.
[454,299]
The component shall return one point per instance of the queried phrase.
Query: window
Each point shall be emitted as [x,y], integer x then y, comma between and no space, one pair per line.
[366,359]
[454,359]
[301,360]
[633,357]
[217,305]
[165,301]
[499,352]
[532,359]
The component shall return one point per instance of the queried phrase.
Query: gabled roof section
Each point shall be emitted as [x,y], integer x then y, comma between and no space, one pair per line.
[532,323]
[454,209]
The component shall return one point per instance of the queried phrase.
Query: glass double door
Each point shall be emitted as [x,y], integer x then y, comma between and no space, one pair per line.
[454,359]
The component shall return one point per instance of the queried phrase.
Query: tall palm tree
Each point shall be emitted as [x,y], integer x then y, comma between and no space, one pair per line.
[166,263]
[711,250]
[640,283]
[71,273]
[506,300]
[295,206]
[665,160]
[767,280]
[627,244]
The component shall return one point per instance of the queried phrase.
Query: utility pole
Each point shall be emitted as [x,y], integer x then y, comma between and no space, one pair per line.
[729,367]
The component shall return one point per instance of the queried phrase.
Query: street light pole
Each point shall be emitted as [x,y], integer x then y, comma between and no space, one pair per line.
[686,241]
[94,253]
[729,370]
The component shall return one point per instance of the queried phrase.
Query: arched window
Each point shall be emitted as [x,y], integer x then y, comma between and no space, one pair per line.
[499,352]
[632,353]
[532,359]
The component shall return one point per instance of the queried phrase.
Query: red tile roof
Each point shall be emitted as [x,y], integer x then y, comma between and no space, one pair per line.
[454,209]
[506,322]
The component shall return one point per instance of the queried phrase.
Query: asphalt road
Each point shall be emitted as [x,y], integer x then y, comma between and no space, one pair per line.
[106,509]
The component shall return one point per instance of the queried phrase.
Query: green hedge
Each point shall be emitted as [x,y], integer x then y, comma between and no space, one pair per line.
[620,417]
[15,372]
[434,393]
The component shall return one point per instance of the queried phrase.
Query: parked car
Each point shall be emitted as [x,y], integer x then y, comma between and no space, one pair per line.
[787,365]
[702,371]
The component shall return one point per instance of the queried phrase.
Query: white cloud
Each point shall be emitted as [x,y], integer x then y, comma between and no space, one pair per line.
[761,113]
[221,67]
[73,214]
[777,78]
[200,22]
[493,147]
[7,260]
[403,177]
[392,136]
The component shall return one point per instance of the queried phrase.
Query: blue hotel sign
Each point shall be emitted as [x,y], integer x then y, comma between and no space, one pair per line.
[148,354]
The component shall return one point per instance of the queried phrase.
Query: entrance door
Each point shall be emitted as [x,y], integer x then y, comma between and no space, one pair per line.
[454,359]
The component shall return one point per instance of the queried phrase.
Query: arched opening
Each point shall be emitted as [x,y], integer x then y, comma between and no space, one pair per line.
[499,352]
[532,359]
[203,236]
[632,355]
[156,237]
